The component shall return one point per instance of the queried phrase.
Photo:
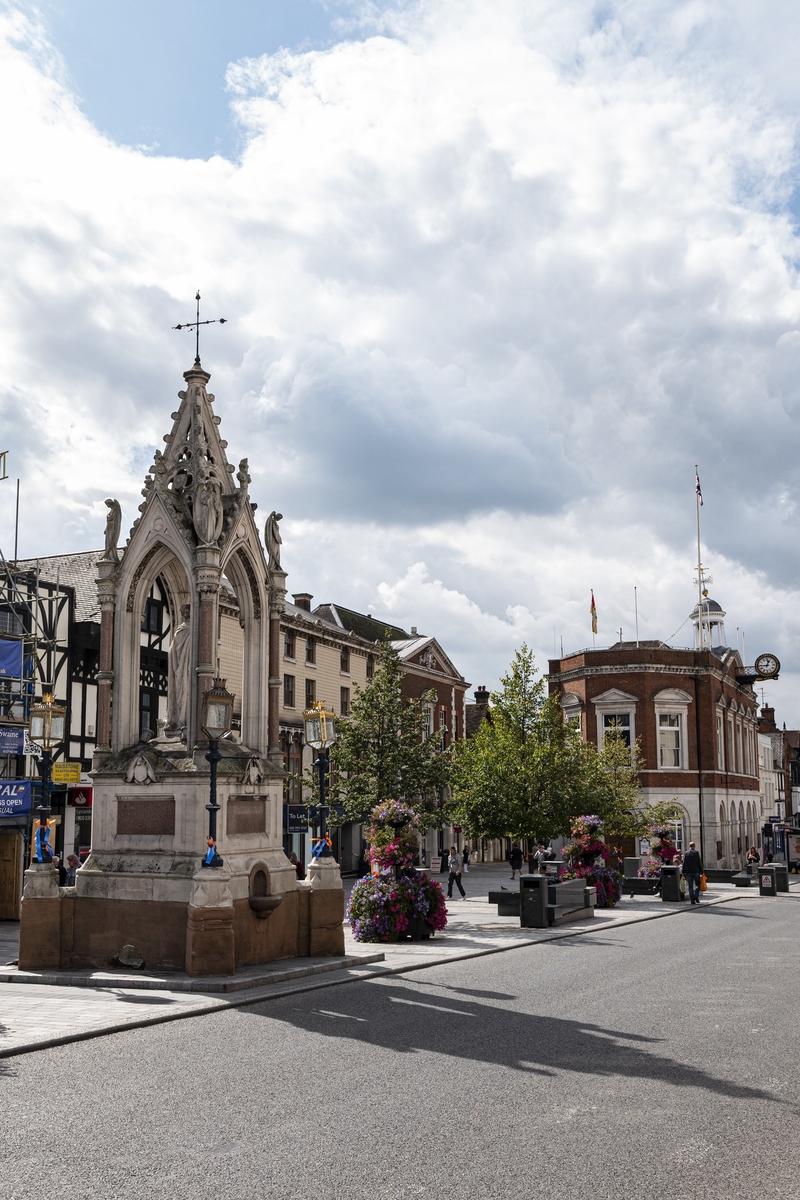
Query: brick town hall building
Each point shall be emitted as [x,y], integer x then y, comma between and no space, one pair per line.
[693,713]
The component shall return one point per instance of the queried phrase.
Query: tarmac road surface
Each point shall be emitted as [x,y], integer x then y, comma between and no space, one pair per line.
[655,1060]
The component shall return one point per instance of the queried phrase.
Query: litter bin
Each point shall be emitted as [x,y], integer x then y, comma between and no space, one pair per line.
[781,876]
[671,884]
[533,898]
[766,880]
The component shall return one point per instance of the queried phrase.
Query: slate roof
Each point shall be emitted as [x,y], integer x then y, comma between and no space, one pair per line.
[78,571]
[366,627]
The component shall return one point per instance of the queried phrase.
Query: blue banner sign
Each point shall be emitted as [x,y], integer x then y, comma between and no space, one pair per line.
[10,659]
[15,797]
[12,740]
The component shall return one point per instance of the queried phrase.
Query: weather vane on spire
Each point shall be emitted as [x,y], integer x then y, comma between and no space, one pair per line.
[195,325]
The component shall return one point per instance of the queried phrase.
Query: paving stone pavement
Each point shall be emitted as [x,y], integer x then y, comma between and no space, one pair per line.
[50,1013]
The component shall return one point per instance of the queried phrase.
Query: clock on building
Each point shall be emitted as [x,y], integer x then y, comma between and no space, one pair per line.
[767,666]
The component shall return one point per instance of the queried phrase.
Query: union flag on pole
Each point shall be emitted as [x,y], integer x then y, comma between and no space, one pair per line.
[593,611]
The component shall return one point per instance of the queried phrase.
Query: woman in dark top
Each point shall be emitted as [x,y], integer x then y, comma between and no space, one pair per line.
[515,859]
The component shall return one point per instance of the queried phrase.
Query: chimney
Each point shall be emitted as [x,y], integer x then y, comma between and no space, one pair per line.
[766,720]
[481,695]
[413,631]
[303,600]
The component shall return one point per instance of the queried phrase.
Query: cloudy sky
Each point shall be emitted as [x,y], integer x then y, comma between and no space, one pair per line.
[497,274]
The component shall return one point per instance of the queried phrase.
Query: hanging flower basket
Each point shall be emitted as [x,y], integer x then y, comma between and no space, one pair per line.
[587,858]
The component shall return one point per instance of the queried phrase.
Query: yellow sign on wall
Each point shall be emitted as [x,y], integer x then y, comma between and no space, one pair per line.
[66,772]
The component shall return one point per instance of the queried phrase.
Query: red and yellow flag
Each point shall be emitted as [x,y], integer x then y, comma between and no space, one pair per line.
[593,611]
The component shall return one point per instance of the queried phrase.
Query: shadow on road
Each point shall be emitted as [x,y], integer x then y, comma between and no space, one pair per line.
[409,1021]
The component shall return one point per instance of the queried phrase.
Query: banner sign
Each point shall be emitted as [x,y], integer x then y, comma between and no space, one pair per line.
[296,818]
[81,797]
[15,797]
[66,772]
[12,740]
[10,659]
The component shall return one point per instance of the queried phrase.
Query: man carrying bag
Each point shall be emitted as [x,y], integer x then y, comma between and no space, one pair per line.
[693,869]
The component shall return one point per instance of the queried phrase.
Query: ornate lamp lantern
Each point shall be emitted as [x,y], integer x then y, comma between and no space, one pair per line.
[216,722]
[47,722]
[47,728]
[320,733]
[217,711]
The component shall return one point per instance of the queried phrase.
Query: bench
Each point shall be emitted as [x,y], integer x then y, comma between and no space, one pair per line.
[507,903]
[743,879]
[570,900]
[639,887]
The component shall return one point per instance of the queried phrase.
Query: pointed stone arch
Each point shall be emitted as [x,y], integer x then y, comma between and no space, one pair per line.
[247,575]
[158,560]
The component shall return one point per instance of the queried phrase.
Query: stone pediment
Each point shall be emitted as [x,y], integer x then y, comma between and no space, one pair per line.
[672,696]
[615,696]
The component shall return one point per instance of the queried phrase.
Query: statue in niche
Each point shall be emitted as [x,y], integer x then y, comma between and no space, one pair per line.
[273,541]
[113,527]
[180,650]
[207,511]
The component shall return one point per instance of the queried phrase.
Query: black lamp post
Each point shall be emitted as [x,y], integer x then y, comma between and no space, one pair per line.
[320,733]
[46,730]
[217,718]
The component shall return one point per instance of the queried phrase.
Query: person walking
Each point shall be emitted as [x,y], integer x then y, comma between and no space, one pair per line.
[465,859]
[454,877]
[515,860]
[693,869]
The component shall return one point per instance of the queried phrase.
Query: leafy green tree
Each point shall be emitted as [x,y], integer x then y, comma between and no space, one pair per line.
[617,791]
[526,772]
[382,750]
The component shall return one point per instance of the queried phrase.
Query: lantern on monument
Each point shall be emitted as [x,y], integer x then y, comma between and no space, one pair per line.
[320,733]
[47,722]
[217,711]
[319,726]
[47,728]
[216,722]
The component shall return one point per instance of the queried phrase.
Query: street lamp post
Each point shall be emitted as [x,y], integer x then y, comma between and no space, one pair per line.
[46,730]
[320,734]
[217,718]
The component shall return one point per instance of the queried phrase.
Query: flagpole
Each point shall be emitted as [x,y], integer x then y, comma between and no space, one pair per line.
[699,565]
[636,611]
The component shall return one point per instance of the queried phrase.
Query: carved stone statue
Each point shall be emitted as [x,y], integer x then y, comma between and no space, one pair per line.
[113,526]
[273,541]
[180,651]
[207,511]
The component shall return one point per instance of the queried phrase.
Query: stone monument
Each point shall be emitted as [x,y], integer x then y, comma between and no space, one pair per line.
[143,885]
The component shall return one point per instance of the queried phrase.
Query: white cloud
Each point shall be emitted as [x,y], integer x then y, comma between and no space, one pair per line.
[497,276]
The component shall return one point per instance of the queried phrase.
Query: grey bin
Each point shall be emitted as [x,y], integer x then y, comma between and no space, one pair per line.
[671,884]
[766,880]
[630,867]
[533,899]
[781,876]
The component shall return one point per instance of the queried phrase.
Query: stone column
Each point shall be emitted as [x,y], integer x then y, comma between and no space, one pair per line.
[208,576]
[277,593]
[106,592]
